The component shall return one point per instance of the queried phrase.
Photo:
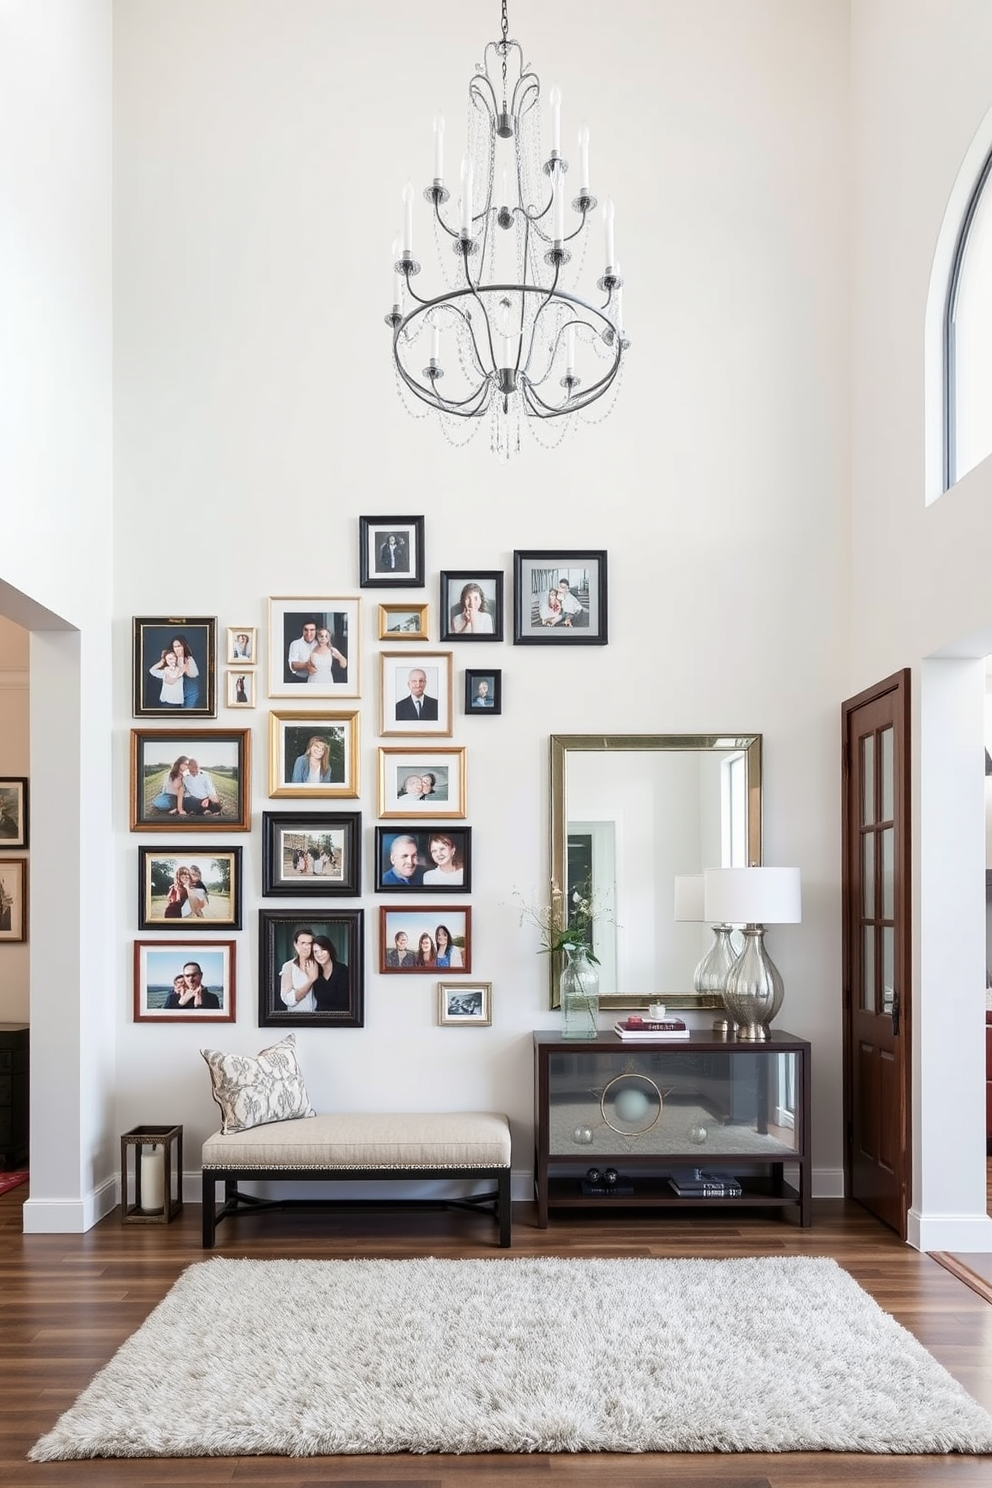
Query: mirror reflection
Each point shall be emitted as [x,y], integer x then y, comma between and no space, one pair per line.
[630,813]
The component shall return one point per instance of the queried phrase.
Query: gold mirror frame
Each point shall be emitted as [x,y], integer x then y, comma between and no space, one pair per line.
[562,745]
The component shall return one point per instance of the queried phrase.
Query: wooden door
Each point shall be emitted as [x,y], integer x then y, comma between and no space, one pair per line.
[876,935]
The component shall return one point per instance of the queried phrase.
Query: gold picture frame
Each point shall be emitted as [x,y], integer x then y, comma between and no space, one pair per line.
[291,766]
[444,800]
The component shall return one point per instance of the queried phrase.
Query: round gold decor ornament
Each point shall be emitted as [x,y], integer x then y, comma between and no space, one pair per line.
[635,1101]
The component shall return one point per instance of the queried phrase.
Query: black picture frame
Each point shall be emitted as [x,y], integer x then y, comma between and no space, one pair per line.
[376,569]
[14,822]
[455,589]
[152,638]
[428,875]
[225,754]
[536,571]
[277,932]
[491,702]
[182,908]
[285,834]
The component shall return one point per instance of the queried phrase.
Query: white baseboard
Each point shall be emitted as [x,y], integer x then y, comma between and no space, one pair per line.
[69,1216]
[960,1232]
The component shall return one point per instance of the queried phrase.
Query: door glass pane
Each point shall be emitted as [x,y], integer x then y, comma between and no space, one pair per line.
[868,968]
[867,779]
[886,746]
[868,875]
[888,835]
[888,966]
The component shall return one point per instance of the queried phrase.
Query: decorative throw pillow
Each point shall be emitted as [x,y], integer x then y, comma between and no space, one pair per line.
[253,1090]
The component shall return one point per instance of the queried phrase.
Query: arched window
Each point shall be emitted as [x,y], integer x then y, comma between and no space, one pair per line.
[968,338]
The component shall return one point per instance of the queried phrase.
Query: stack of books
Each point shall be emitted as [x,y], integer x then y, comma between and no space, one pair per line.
[650,1028]
[704,1183]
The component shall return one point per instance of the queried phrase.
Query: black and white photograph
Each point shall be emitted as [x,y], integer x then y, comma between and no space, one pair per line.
[391,552]
[314,853]
[173,660]
[465,1004]
[433,860]
[422,782]
[311,968]
[559,598]
[415,692]
[314,647]
[313,754]
[13,899]
[14,811]
[483,691]
[471,605]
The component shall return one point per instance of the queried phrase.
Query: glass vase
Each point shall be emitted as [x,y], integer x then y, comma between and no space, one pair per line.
[579,994]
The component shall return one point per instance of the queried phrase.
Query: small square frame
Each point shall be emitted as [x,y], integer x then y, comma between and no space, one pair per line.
[538,571]
[13,899]
[14,823]
[493,679]
[158,866]
[290,735]
[341,615]
[416,923]
[478,1004]
[239,683]
[164,960]
[287,833]
[376,570]
[224,753]
[151,638]
[461,619]
[396,714]
[458,881]
[403,622]
[446,762]
[242,646]
[277,929]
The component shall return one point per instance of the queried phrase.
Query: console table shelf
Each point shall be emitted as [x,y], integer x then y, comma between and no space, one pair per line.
[648,1107]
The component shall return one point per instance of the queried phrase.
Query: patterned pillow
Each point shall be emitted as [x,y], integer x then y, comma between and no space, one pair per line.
[255,1090]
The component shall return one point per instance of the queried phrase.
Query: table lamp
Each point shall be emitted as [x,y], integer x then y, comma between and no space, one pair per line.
[753,898]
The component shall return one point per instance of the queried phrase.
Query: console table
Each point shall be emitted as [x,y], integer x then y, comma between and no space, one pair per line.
[648,1107]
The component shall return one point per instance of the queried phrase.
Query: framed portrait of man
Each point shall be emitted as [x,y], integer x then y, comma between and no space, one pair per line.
[415,692]
[314,647]
[483,691]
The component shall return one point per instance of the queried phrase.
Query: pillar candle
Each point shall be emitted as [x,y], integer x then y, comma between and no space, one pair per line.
[152,1179]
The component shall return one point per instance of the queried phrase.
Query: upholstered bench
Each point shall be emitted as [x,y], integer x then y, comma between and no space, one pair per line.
[452,1144]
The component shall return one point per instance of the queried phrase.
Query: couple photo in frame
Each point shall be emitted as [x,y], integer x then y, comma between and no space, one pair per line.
[314,647]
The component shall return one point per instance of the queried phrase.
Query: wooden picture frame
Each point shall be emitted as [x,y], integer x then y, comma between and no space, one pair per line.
[14,820]
[465,1004]
[168,689]
[560,597]
[13,899]
[471,604]
[426,860]
[159,981]
[240,690]
[483,691]
[242,646]
[403,622]
[223,754]
[391,552]
[187,892]
[413,957]
[331,840]
[292,737]
[444,800]
[296,623]
[399,674]
[279,931]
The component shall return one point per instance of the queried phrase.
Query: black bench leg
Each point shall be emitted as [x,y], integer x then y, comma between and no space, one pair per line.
[209,1210]
[504,1208]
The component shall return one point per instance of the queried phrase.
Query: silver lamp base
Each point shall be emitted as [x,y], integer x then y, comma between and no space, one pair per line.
[754,990]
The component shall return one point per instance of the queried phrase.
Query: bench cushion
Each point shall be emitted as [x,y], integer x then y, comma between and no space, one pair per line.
[452,1139]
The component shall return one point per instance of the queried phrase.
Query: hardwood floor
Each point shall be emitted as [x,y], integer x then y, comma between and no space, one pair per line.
[68,1301]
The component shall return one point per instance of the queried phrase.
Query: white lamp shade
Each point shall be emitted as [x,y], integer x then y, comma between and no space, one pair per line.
[689,896]
[752,896]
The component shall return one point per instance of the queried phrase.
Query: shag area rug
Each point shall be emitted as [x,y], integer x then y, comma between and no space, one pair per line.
[304,1358]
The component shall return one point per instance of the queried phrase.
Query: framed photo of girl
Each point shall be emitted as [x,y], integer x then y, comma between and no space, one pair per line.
[471,605]
[241,689]
[425,940]
[189,891]
[391,552]
[431,860]
[313,853]
[187,982]
[188,780]
[314,647]
[242,646]
[311,968]
[13,899]
[559,598]
[425,781]
[313,754]
[415,692]
[14,811]
[174,667]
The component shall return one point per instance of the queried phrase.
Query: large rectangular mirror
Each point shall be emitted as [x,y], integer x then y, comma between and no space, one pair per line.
[629,813]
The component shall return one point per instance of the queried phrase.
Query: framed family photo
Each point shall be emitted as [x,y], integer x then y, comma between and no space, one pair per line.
[311,968]
[240,690]
[13,899]
[191,981]
[188,780]
[313,754]
[422,782]
[189,891]
[471,605]
[242,646]
[464,1004]
[432,860]
[173,659]
[559,598]
[391,552]
[413,940]
[314,647]
[318,853]
[415,692]
[403,622]
[483,691]
[14,811]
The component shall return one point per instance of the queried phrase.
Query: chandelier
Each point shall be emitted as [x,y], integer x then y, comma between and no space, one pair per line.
[508,335]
